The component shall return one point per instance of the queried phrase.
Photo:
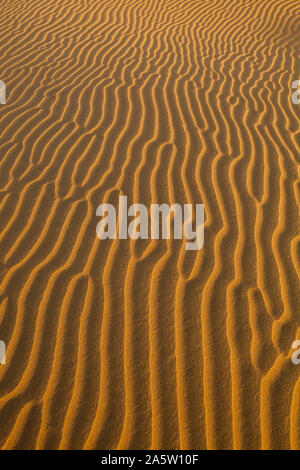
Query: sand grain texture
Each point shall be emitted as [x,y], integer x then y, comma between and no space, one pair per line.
[124,344]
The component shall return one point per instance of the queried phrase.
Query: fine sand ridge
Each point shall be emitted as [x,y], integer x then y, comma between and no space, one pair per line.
[124,344]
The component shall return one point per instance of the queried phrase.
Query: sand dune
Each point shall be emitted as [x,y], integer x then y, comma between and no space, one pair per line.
[124,344]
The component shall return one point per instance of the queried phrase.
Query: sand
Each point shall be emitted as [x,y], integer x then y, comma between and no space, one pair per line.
[140,344]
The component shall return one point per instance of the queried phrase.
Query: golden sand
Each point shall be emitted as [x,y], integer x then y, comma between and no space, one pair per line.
[124,344]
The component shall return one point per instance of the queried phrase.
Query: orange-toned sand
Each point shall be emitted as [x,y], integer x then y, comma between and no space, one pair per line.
[141,344]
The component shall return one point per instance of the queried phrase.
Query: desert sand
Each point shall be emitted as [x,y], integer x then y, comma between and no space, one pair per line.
[140,344]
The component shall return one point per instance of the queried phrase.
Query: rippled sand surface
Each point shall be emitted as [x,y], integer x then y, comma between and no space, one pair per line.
[124,344]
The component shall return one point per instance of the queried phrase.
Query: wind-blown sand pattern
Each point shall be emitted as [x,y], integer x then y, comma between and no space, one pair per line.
[123,344]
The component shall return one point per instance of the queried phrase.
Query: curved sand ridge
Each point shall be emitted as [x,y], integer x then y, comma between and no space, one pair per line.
[142,344]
